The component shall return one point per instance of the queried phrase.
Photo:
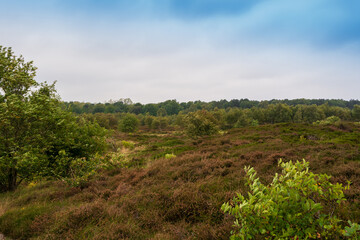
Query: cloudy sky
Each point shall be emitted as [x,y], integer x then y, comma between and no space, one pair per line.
[155,50]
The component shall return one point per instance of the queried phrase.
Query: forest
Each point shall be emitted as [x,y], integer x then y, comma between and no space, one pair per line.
[239,169]
[168,113]
[172,107]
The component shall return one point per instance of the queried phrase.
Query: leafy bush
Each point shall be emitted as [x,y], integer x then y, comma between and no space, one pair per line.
[129,123]
[201,123]
[127,144]
[328,121]
[169,155]
[114,160]
[148,120]
[254,123]
[291,207]
[78,170]
[159,123]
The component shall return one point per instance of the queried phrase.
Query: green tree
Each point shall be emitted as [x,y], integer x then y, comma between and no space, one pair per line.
[308,113]
[172,107]
[38,138]
[161,112]
[232,116]
[201,123]
[258,114]
[129,123]
[356,113]
[151,108]
[279,113]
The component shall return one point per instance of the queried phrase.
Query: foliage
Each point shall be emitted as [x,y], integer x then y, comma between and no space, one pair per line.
[353,230]
[148,121]
[356,113]
[129,123]
[243,121]
[114,160]
[201,123]
[292,206]
[172,107]
[254,123]
[278,113]
[79,170]
[169,155]
[328,121]
[233,114]
[105,120]
[308,114]
[38,138]
[127,144]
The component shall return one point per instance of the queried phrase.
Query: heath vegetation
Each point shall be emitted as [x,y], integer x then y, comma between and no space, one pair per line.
[195,170]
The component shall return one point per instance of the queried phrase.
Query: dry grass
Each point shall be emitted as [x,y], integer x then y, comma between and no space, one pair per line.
[4,205]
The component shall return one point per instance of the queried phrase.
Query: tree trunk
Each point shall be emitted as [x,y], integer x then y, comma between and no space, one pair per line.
[12,184]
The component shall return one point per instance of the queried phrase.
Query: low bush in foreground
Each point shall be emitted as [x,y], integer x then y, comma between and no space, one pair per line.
[291,207]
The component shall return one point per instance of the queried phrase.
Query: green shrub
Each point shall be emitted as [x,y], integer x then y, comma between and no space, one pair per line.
[328,121]
[115,160]
[291,207]
[129,145]
[79,170]
[201,123]
[243,121]
[148,121]
[169,155]
[254,123]
[129,123]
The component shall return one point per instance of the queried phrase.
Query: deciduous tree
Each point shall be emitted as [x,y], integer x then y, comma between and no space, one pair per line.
[38,137]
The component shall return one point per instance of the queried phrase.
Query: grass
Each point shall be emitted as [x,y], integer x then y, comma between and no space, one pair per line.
[180,197]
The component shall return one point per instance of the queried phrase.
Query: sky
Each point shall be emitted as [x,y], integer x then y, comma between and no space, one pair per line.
[155,50]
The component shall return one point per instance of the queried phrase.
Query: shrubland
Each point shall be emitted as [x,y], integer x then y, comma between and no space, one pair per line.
[170,167]
[146,194]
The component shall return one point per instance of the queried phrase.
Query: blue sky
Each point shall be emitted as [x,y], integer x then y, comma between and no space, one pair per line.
[154,50]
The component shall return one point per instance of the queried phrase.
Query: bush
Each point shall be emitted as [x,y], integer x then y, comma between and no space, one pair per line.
[170,155]
[201,123]
[328,121]
[129,123]
[291,207]
[127,144]
[78,170]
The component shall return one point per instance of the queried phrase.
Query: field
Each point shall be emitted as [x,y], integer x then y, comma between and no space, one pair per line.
[170,186]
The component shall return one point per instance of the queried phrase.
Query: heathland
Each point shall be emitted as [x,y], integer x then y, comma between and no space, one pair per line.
[173,170]
[167,185]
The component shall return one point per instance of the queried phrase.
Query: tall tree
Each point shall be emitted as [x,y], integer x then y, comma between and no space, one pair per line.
[37,136]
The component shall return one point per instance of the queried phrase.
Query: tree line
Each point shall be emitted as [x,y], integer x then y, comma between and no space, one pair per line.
[227,118]
[173,107]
